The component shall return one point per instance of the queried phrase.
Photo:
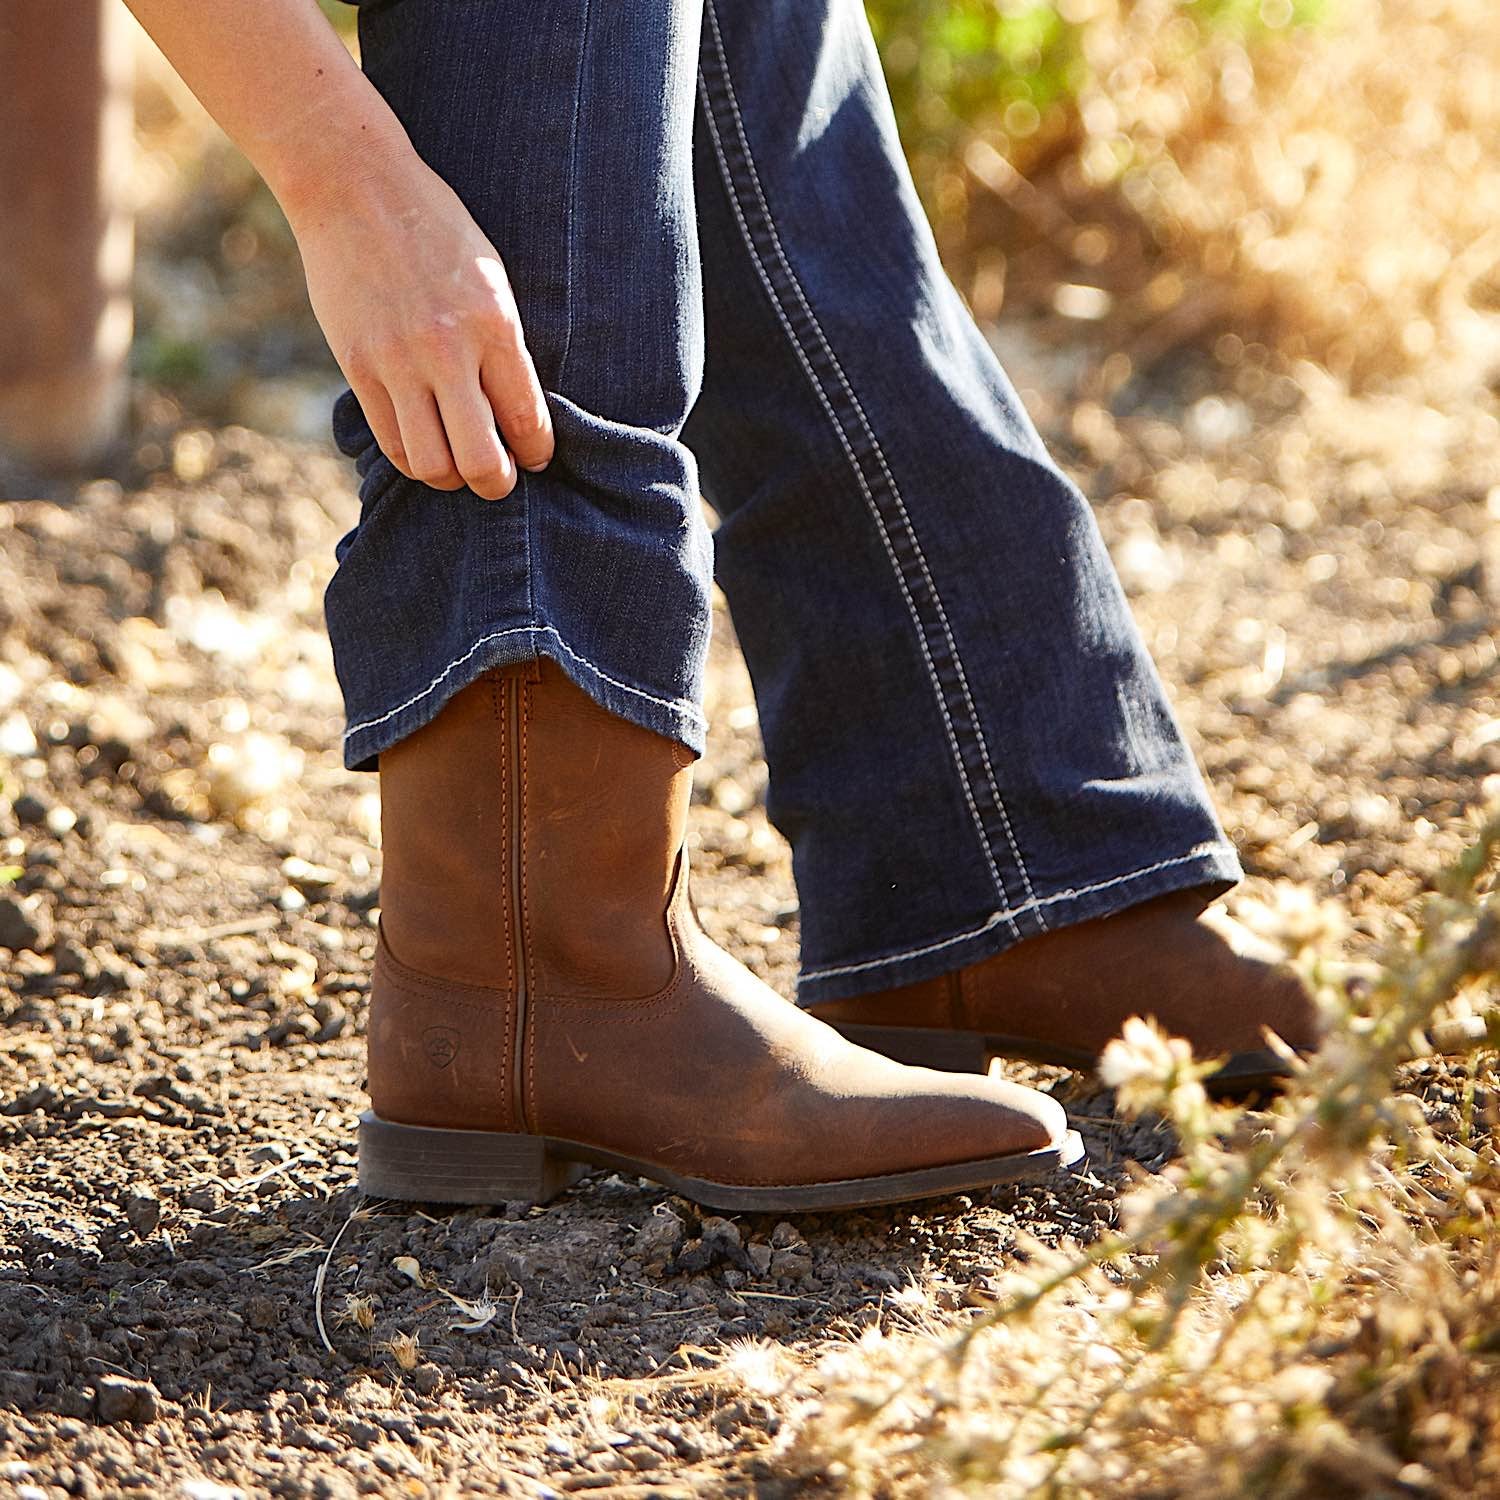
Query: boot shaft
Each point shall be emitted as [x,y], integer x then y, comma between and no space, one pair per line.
[530,847]
[527,827]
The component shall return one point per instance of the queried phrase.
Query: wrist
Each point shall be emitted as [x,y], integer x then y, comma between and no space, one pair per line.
[341,170]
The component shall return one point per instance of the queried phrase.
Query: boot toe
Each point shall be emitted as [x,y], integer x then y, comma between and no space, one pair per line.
[1260,987]
[1027,1119]
[964,1117]
[1292,1013]
[1257,997]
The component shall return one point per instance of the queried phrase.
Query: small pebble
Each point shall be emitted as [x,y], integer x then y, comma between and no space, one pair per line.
[723,1232]
[313,881]
[117,1398]
[657,1241]
[143,1211]
[794,1264]
[262,1312]
[29,808]
[24,923]
[61,820]
[784,1235]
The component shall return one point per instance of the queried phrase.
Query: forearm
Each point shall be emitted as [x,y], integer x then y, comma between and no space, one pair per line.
[276,77]
[428,334]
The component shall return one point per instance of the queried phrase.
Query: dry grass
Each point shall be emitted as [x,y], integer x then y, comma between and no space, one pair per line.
[1307,1304]
[1331,190]
[1350,193]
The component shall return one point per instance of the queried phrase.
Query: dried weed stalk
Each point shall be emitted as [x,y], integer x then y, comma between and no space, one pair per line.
[1307,1304]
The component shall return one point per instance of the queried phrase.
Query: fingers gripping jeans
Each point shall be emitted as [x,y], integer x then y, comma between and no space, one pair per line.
[727,283]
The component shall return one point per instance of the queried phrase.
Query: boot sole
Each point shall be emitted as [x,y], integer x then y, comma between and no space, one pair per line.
[1243,1074]
[423,1164]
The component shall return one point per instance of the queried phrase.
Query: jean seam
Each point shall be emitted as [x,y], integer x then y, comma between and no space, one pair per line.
[769,284]
[676,705]
[1199,851]
[572,194]
[523,499]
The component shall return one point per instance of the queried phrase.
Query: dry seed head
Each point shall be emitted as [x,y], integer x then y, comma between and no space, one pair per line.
[403,1349]
[1295,918]
[761,1367]
[360,1311]
[1151,1071]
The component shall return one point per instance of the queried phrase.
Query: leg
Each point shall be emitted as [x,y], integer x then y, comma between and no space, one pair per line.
[543,999]
[602,562]
[970,749]
[968,743]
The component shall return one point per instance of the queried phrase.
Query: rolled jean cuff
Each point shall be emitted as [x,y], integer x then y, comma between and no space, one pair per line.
[1214,864]
[602,563]
[674,719]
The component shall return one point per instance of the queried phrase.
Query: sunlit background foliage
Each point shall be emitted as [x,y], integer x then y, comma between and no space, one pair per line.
[1316,175]
[1017,70]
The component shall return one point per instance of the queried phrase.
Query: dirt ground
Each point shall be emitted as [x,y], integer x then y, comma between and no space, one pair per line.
[194,1299]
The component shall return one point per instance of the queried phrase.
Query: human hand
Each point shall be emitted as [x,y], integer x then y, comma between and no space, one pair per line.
[419,313]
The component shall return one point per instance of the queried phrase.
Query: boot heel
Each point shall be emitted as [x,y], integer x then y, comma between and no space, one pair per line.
[422,1164]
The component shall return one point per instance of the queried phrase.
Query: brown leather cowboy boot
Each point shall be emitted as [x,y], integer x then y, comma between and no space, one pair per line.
[545,1001]
[1058,998]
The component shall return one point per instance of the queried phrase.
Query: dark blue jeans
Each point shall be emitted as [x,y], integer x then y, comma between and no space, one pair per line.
[727,283]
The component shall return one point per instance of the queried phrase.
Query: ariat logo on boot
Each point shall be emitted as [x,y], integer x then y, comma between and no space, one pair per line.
[440,1043]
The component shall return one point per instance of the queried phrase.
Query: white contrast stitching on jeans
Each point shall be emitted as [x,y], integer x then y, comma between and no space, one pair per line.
[869,433]
[572,196]
[942,614]
[996,918]
[844,443]
[677,705]
[911,531]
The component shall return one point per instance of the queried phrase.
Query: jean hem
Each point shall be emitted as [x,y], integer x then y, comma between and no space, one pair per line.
[1212,864]
[502,646]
